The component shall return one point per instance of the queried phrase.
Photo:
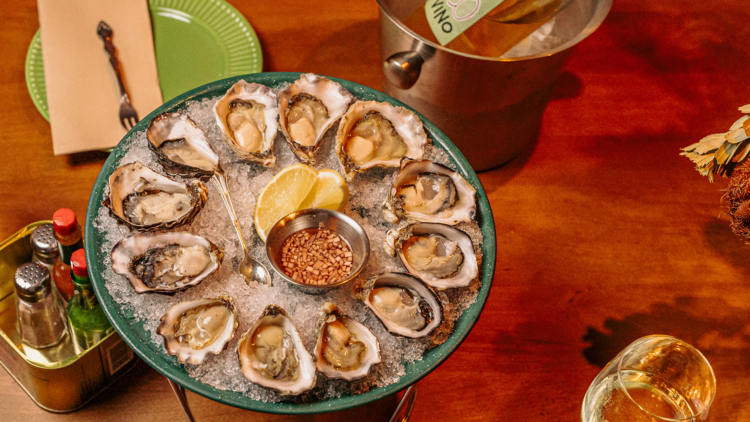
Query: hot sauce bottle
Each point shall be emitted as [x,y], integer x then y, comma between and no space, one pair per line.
[86,317]
[69,239]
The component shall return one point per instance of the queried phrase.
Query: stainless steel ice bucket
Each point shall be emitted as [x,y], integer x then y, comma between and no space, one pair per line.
[490,107]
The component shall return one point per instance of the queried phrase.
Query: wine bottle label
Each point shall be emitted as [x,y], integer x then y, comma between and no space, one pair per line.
[449,18]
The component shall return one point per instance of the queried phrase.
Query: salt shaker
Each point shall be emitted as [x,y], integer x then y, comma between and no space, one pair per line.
[45,246]
[41,318]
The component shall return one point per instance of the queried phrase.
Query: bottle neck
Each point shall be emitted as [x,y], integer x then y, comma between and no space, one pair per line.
[84,293]
[66,251]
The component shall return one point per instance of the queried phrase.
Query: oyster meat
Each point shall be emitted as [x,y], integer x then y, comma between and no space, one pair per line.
[248,118]
[307,109]
[441,255]
[145,200]
[181,146]
[193,329]
[403,303]
[272,355]
[345,348]
[373,134]
[430,192]
[165,262]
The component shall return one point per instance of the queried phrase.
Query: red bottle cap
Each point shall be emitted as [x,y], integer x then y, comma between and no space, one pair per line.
[78,263]
[65,222]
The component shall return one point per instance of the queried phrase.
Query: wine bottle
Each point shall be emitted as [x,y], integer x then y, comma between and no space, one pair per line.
[481,27]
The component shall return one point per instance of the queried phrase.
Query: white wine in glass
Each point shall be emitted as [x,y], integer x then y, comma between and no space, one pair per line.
[655,379]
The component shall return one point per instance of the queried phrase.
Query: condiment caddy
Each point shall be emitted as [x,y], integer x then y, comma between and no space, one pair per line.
[61,377]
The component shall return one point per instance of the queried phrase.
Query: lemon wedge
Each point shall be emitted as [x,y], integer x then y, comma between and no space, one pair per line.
[329,191]
[295,188]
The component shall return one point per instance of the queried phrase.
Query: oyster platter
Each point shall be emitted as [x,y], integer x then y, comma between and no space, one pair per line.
[166,254]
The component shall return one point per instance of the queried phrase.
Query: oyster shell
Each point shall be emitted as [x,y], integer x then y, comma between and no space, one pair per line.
[193,329]
[165,262]
[373,134]
[145,200]
[307,109]
[404,304]
[345,348]
[248,118]
[430,192]
[181,146]
[272,355]
[441,255]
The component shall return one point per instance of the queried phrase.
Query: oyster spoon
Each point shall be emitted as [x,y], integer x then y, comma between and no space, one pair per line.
[250,268]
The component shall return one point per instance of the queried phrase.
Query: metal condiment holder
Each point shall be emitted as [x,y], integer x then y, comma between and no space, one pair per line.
[56,378]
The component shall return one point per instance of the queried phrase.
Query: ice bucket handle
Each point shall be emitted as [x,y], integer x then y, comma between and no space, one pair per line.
[403,69]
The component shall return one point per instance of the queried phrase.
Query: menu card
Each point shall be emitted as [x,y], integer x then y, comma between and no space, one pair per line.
[83,95]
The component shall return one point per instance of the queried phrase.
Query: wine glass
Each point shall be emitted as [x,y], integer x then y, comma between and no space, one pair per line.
[656,378]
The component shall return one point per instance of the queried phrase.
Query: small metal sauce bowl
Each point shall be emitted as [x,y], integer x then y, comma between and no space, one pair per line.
[310,218]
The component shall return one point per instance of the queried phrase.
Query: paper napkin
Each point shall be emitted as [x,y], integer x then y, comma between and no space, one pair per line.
[82,91]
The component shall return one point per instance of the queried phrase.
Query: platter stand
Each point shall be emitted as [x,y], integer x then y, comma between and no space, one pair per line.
[401,414]
[179,391]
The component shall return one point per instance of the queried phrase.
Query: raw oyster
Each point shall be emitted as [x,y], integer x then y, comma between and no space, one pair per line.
[248,118]
[307,109]
[403,303]
[441,255]
[145,200]
[272,355]
[181,147]
[165,262]
[373,134]
[427,191]
[345,348]
[193,329]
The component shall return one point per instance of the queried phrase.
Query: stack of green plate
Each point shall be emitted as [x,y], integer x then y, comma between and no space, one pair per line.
[196,42]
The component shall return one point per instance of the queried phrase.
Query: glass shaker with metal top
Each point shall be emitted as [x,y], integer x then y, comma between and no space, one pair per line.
[41,318]
[44,245]
[45,249]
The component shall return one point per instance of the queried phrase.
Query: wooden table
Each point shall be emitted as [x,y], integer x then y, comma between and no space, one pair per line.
[605,233]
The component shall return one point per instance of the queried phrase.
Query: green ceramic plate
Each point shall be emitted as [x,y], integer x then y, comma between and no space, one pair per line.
[131,330]
[196,42]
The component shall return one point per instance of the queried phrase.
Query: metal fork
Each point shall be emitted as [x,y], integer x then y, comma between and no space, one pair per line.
[128,116]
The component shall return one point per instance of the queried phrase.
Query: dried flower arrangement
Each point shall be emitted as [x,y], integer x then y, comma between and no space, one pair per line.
[724,154]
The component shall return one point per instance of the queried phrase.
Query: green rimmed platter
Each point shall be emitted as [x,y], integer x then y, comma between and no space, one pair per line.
[133,333]
[196,42]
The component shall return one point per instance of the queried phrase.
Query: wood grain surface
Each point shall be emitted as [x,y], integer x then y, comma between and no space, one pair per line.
[605,233]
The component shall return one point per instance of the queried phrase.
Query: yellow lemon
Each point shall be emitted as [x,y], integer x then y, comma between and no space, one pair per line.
[295,188]
[329,191]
